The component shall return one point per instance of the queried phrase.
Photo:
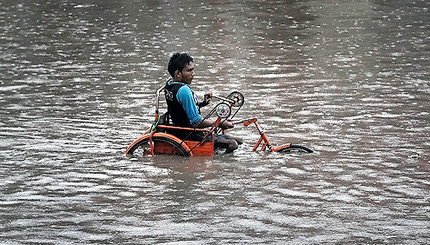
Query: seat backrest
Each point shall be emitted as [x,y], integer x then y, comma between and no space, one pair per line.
[164,119]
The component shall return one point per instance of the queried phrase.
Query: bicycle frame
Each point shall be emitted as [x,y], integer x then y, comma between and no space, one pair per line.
[263,137]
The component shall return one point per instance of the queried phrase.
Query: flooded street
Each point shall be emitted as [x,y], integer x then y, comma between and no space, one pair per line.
[349,79]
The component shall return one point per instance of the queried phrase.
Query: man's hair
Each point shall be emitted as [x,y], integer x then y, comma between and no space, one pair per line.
[178,61]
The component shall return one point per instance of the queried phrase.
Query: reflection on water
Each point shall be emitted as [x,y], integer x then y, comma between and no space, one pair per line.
[349,79]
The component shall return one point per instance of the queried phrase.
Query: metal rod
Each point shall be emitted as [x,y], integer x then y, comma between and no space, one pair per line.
[225,99]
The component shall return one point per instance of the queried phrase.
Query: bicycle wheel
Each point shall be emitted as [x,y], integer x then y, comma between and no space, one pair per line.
[162,145]
[292,149]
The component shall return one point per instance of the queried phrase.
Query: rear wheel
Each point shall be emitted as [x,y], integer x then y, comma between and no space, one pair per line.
[162,145]
[292,149]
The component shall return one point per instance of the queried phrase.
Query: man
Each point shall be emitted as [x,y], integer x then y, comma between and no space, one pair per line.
[183,106]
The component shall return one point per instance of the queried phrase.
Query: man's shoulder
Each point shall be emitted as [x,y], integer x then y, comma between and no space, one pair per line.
[185,90]
[174,86]
[172,83]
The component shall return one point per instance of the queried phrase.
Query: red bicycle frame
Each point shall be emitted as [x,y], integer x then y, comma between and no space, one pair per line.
[263,137]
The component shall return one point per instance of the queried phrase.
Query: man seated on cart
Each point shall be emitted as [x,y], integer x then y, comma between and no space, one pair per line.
[184,108]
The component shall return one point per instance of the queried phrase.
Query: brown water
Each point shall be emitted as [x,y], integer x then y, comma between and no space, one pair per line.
[350,79]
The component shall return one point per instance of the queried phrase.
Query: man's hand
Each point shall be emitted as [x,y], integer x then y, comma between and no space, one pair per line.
[227,124]
[207,98]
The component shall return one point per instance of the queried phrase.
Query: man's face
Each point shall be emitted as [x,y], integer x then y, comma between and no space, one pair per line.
[187,74]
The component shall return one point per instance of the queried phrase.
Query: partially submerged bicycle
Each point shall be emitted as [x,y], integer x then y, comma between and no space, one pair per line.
[159,139]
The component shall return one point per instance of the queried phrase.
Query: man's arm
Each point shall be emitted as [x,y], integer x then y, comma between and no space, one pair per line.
[185,97]
[204,123]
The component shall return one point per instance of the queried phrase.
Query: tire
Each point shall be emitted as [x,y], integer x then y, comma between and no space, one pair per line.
[295,149]
[143,147]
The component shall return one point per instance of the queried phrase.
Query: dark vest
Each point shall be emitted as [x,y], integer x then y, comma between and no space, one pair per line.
[177,113]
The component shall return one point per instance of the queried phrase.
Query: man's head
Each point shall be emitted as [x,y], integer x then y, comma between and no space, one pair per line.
[181,68]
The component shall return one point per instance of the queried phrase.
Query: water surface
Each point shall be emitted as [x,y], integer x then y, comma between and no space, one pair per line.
[346,78]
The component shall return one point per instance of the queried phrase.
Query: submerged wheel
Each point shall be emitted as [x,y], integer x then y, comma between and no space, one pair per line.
[162,145]
[294,149]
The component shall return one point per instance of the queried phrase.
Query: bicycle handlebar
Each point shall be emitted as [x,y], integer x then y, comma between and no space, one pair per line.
[246,122]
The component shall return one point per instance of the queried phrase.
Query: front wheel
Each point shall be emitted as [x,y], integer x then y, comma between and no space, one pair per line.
[292,149]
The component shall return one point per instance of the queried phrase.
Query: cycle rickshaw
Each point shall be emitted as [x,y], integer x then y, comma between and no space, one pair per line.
[159,139]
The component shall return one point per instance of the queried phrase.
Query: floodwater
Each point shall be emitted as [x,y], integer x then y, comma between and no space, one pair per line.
[349,79]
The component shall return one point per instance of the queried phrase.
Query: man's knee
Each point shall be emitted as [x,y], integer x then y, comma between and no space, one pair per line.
[229,144]
[232,145]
